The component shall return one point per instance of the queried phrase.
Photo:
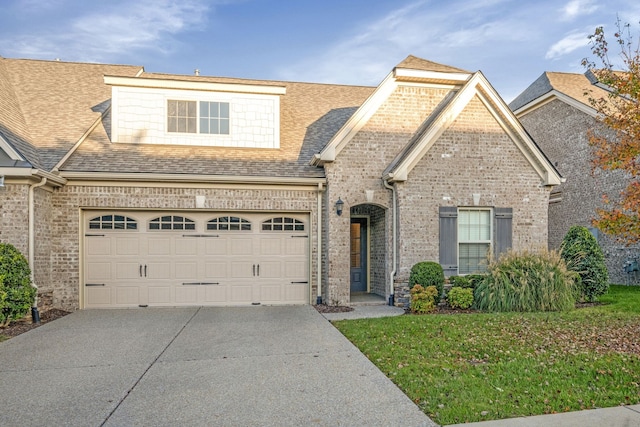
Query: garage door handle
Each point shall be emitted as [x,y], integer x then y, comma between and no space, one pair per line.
[254,269]
[258,269]
[199,283]
[145,270]
[94,284]
[140,272]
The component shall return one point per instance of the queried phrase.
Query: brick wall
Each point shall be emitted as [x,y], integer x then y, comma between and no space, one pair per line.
[14,216]
[561,131]
[68,201]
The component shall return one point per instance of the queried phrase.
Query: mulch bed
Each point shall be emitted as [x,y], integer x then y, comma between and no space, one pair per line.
[23,325]
[323,308]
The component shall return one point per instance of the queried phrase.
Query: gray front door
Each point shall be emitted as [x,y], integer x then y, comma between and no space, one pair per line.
[358,254]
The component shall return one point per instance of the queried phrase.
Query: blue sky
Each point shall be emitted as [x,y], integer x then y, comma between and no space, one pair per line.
[332,41]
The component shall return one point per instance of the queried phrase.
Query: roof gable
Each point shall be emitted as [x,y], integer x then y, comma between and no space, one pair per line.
[442,118]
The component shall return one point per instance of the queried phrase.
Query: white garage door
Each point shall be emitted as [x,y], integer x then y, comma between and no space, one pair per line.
[177,258]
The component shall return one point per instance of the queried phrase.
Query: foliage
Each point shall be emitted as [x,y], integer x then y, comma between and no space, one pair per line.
[620,112]
[582,254]
[427,273]
[527,281]
[460,282]
[459,297]
[487,366]
[16,293]
[423,299]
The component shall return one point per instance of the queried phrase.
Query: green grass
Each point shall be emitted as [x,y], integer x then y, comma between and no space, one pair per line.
[473,367]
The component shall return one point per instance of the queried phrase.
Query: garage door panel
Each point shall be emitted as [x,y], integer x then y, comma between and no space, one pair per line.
[295,246]
[127,246]
[236,263]
[216,270]
[98,271]
[270,269]
[242,293]
[215,294]
[127,295]
[159,270]
[242,246]
[160,295]
[270,246]
[98,296]
[98,246]
[296,293]
[159,246]
[216,246]
[186,246]
[295,269]
[186,270]
[186,294]
[127,270]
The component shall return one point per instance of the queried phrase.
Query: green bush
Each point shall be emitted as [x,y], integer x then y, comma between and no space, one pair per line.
[460,282]
[423,299]
[427,273]
[460,297]
[16,293]
[582,254]
[527,281]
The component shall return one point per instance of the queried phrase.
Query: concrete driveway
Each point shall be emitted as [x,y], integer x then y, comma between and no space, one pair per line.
[253,366]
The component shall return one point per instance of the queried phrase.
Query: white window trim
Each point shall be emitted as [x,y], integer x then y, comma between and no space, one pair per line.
[197,133]
[491,231]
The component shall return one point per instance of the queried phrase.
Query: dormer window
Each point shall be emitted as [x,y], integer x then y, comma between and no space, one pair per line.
[183,117]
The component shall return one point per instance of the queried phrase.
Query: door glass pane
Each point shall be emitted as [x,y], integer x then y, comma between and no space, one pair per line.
[355,245]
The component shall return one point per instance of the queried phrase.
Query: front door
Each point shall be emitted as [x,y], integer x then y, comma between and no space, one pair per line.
[358,255]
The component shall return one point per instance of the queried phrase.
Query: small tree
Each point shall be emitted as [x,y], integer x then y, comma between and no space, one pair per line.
[620,112]
[16,293]
[582,254]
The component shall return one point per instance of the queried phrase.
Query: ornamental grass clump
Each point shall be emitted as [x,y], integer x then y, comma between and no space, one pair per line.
[527,281]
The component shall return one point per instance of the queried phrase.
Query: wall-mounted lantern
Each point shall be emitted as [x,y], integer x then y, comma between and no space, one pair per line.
[339,205]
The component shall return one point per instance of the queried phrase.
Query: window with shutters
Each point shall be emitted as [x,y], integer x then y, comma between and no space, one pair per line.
[474,239]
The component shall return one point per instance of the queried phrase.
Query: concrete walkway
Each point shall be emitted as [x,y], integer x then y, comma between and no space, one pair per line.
[253,366]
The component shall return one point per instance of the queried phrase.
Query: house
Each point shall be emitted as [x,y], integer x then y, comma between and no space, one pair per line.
[556,112]
[127,188]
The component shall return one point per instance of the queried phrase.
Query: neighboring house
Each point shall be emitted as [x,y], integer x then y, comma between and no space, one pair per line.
[556,112]
[130,188]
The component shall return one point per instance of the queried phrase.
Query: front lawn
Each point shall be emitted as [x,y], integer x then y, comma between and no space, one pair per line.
[474,367]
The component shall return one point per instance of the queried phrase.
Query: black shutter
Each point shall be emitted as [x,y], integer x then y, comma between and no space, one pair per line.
[503,229]
[449,240]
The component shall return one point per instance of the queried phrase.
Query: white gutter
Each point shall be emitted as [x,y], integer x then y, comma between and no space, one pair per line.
[319,248]
[32,250]
[395,238]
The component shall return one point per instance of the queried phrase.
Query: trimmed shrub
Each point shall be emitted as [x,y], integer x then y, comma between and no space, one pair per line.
[427,273]
[16,293]
[582,254]
[460,282]
[527,281]
[423,299]
[459,297]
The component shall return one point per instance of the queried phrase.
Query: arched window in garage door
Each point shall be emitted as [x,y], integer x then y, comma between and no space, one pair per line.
[113,222]
[229,223]
[172,222]
[282,223]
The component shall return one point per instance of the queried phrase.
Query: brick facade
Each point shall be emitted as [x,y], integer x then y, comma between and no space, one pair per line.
[561,132]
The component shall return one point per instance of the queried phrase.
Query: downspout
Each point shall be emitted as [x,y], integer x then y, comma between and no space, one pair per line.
[395,239]
[319,248]
[35,316]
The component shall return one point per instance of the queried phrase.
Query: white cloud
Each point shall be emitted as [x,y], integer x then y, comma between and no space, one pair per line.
[570,43]
[577,8]
[115,29]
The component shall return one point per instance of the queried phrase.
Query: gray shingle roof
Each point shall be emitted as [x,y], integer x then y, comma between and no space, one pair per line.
[415,63]
[57,102]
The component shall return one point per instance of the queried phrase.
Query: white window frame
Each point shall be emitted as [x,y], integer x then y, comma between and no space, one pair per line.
[461,242]
[199,117]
